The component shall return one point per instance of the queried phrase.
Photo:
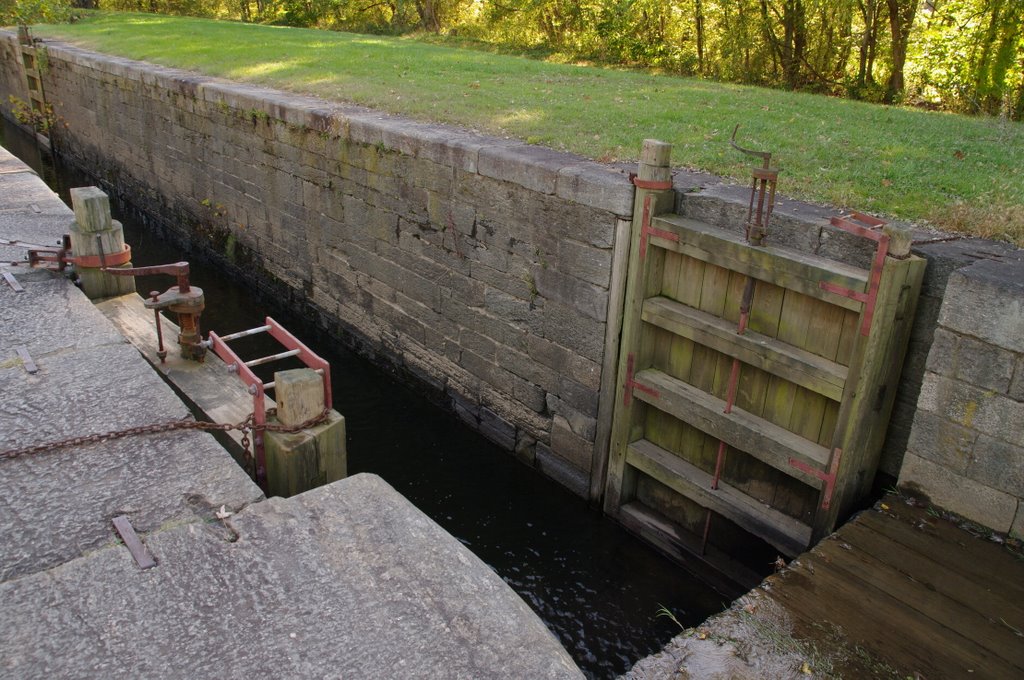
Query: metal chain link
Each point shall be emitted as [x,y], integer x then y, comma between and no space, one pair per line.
[244,426]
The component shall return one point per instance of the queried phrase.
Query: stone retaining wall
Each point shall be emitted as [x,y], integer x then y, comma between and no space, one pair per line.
[479,265]
[966,448]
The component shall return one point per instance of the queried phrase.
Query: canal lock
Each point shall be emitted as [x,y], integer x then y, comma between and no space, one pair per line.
[598,588]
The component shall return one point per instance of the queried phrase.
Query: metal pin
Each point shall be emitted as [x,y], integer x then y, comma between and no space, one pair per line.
[273,357]
[26,360]
[244,334]
[160,351]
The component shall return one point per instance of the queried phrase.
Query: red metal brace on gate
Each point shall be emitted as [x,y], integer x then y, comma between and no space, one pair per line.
[870,228]
[632,384]
[646,231]
[828,477]
[258,388]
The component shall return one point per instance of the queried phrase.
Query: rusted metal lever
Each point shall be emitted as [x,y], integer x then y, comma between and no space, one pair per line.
[762,189]
[63,256]
[185,300]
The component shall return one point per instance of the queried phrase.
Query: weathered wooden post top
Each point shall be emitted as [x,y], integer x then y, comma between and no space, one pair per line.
[312,457]
[97,241]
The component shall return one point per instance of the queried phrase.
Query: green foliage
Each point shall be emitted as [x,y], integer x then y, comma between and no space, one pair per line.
[33,11]
[41,121]
[968,57]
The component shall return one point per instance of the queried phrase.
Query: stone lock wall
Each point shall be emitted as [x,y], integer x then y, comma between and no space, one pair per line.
[479,265]
[966,448]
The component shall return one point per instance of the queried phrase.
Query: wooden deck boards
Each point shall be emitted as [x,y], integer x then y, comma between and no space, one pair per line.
[915,591]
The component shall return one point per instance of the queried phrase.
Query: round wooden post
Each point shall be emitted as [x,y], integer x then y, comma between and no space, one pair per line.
[95,233]
[655,157]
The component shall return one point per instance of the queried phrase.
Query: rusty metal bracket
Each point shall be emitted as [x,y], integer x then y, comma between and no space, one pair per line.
[184,299]
[870,228]
[828,477]
[37,256]
[647,231]
[652,184]
[63,256]
[762,191]
[139,552]
[632,384]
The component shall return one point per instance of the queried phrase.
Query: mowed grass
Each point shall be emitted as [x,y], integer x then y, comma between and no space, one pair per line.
[956,172]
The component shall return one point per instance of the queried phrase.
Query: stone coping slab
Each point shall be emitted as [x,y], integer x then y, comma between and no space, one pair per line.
[348,581]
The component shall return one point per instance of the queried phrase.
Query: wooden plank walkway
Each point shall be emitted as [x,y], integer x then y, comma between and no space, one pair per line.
[918,593]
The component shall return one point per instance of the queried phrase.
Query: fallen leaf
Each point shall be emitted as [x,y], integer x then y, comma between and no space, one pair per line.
[886,182]
[224,513]
[959,155]
[806,668]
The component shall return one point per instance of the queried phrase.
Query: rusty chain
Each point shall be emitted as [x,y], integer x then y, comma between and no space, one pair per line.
[244,426]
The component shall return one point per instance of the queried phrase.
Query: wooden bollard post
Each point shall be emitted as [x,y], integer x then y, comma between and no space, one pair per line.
[95,233]
[299,461]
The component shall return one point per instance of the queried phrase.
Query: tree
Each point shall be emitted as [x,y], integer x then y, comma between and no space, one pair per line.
[901,20]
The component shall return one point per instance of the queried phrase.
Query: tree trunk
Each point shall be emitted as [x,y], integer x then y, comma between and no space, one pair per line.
[869,12]
[429,20]
[901,19]
[698,11]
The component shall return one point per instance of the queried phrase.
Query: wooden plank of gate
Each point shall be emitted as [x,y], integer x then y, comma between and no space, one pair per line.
[785,533]
[781,266]
[914,590]
[773,445]
[797,365]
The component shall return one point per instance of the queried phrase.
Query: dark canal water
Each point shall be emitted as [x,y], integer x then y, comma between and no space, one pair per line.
[598,588]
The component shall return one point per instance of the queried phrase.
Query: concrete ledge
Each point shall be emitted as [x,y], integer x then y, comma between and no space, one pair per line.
[348,580]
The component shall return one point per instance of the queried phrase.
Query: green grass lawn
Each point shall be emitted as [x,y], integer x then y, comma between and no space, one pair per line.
[957,172]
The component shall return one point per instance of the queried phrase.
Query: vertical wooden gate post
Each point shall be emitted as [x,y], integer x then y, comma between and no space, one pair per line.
[653,195]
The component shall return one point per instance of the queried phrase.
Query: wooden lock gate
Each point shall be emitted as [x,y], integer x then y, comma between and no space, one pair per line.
[696,468]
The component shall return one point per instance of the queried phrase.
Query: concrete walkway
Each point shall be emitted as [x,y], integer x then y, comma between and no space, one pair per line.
[349,580]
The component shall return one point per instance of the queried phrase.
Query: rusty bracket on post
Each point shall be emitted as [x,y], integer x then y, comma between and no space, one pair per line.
[762,191]
[257,388]
[62,257]
[185,300]
[870,228]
